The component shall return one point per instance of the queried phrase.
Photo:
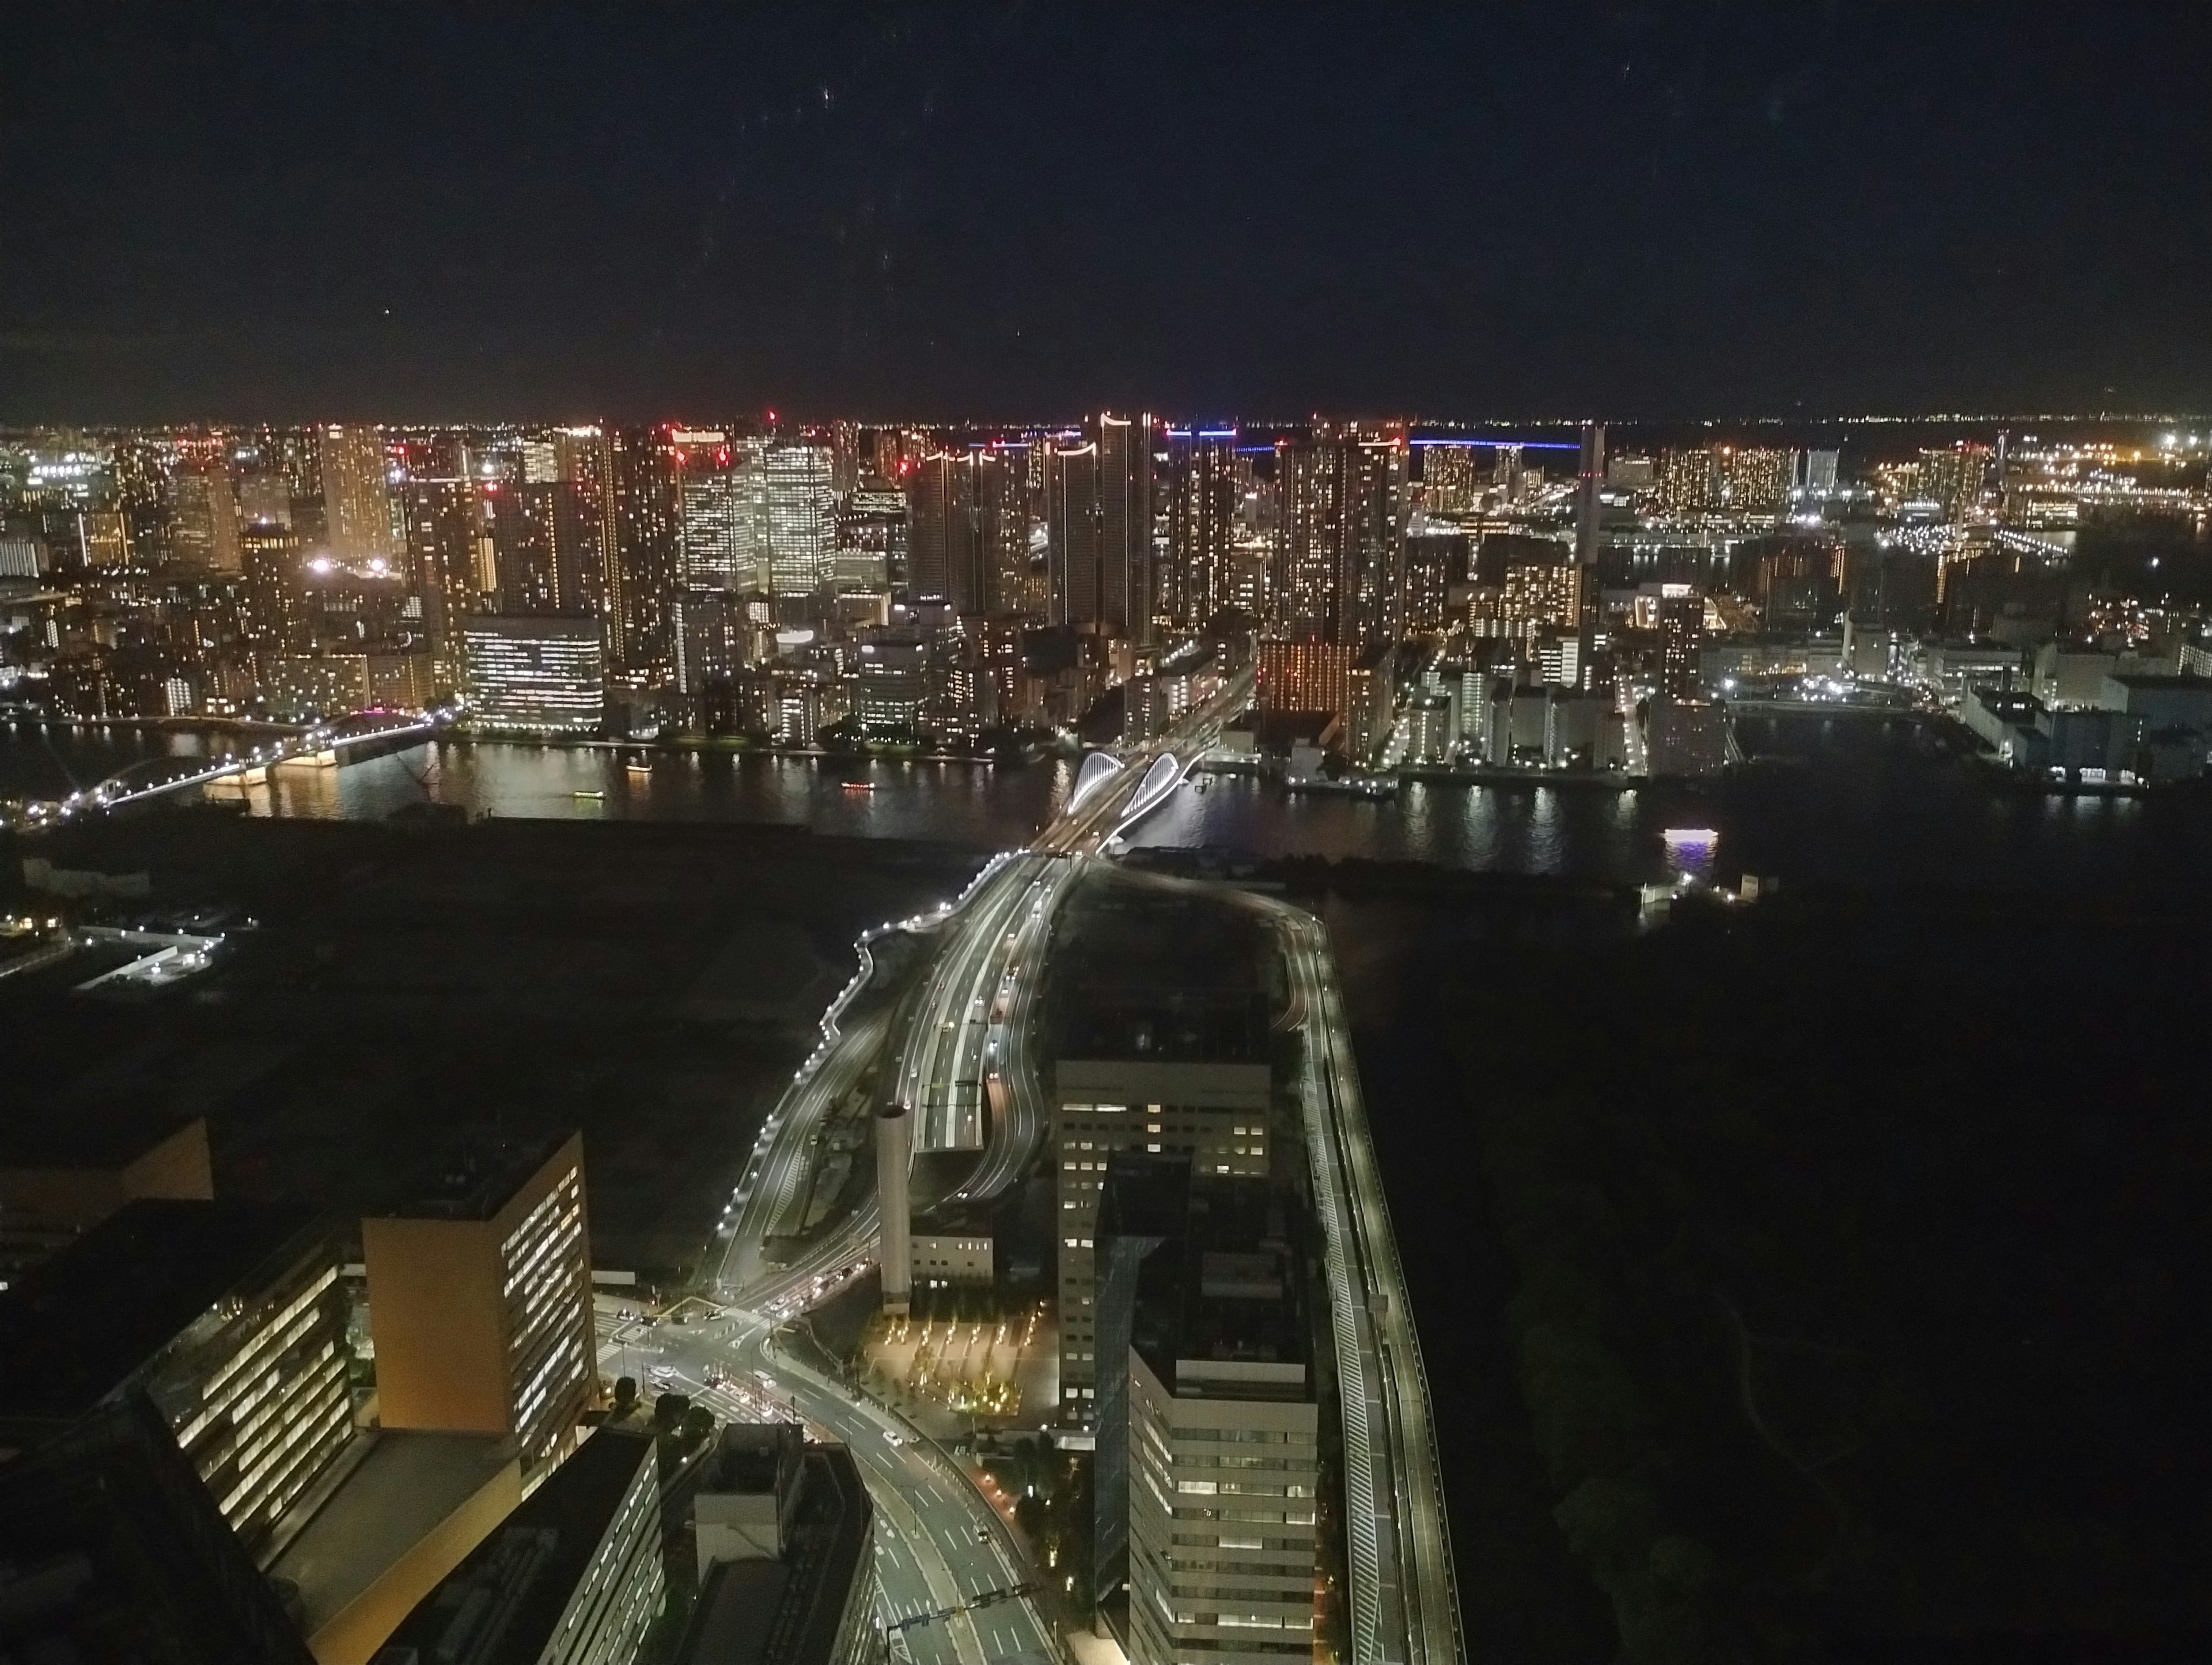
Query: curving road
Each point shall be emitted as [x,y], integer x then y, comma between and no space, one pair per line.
[946,1040]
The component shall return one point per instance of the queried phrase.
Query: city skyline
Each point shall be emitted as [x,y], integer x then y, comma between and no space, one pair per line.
[1037,835]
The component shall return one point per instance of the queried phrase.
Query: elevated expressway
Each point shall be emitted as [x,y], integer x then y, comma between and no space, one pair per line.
[952,1044]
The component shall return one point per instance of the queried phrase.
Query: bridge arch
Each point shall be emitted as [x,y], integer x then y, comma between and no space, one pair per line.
[1097,769]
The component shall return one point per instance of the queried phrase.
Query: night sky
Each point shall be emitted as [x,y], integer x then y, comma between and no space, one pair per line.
[1022,211]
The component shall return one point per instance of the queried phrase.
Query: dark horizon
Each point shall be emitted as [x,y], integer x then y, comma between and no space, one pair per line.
[1630,211]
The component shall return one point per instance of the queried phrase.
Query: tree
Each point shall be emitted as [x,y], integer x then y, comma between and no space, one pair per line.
[698,1424]
[625,1396]
[668,1411]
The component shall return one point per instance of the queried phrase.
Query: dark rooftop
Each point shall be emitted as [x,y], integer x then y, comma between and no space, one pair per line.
[1155,973]
[79,1326]
[530,1565]
[748,1457]
[106,1139]
[2130,679]
[476,1175]
[1225,1285]
[804,1609]
[112,1549]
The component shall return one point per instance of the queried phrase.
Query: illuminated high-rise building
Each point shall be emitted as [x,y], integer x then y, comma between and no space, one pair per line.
[448,538]
[203,531]
[1304,673]
[1369,539]
[720,511]
[641,563]
[970,529]
[797,517]
[1211,1113]
[942,555]
[480,1295]
[1541,593]
[543,541]
[1448,485]
[1203,483]
[1305,508]
[264,500]
[356,502]
[1587,482]
[1690,481]
[1072,529]
[1682,640]
[1754,479]
[874,537]
[273,559]
[1125,600]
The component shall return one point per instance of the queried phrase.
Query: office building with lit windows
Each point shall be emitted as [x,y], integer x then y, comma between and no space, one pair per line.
[720,491]
[535,676]
[480,1297]
[1208,1464]
[799,516]
[226,1314]
[1213,1113]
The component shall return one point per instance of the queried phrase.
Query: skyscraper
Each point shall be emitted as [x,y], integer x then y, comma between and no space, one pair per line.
[540,533]
[799,516]
[720,510]
[446,522]
[227,1315]
[1369,539]
[203,531]
[1305,508]
[970,529]
[942,556]
[356,504]
[1587,485]
[1202,501]
[535,675]
[1125,526]
[1072,529]
[642,561]
[1213,1113]
[1448,483]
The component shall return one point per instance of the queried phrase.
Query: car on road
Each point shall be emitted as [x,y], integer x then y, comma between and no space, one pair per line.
[893,1437]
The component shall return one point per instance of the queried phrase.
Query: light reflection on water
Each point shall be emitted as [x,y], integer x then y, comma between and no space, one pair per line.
[1863,816]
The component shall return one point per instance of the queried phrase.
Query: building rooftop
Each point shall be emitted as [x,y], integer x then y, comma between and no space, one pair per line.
[1139,973]
[2161,685]
[107,1139]
[751,1457]
[81,1324]
[111,1549]
[746,1615]
[1220,1305]
[405,1485]
[476,1175]
[526,1571]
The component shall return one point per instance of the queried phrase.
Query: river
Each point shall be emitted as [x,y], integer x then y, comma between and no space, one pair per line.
[1861,805]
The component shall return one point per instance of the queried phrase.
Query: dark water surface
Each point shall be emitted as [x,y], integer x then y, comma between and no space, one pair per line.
[1863,804]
